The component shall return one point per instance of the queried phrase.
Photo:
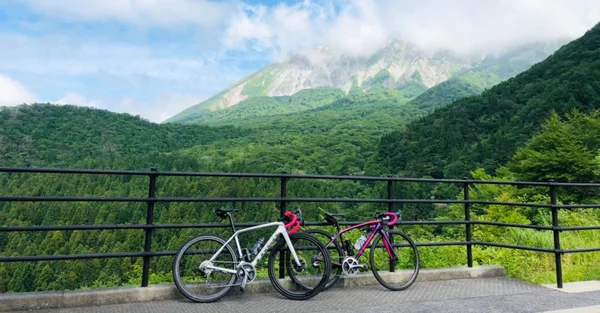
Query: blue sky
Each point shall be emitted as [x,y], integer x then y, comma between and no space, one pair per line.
[157,57]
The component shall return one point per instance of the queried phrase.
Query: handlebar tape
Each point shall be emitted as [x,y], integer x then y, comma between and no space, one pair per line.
[393,216]
[294,222]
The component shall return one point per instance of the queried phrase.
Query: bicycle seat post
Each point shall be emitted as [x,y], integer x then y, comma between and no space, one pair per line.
[231,221]
[337,224]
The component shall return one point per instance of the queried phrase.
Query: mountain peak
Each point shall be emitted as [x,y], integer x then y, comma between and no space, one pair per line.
[392,66]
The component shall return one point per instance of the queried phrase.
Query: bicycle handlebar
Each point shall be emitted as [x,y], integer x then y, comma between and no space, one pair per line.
[294,222]
[392,215]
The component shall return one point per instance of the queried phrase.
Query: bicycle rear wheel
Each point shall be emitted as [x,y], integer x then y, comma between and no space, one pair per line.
[204,286]
[299,282]
[403,272]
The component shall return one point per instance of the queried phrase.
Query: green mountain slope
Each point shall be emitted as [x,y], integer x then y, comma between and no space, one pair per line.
[491,71]
[265,106]
[339,138]
[486,130]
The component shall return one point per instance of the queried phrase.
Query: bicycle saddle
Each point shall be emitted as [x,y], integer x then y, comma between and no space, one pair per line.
[331,217]
[222,213]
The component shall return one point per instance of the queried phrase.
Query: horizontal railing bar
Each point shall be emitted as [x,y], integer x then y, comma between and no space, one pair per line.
[440,244]
[76,199]
[71,227]
[347,223]
[568,228]
[512,225]
[580,250]
[501,245]
[578,206]
[205,225]
[170,253]
[432,222]
[72,171]
[296,176]
[170,226]
[530,205]
[115,227]
[316,224]
[140,254]
[73,257]
[220,225]
[258,199]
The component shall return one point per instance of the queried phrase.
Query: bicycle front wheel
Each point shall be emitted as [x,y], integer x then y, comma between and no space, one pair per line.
[196,284]
[335,253]
[304,281]
[395,274]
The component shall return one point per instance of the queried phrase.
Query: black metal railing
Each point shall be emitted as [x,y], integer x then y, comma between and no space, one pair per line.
[283,200]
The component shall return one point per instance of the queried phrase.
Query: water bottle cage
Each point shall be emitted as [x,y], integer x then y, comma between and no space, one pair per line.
[246,255]
[349,247]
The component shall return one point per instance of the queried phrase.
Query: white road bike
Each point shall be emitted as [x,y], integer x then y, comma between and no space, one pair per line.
[206,267]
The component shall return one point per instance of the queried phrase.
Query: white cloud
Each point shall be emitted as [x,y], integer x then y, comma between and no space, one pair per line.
[79,100]
[14,93]
[363,26]
[277,30]
[158,110]
[163,13]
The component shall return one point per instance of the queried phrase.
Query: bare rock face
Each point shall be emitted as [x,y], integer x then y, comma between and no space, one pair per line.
[325,67]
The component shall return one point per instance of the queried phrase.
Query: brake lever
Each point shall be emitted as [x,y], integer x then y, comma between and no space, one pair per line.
[298,213]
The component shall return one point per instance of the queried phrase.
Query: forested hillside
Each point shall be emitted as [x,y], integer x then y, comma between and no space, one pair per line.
[491,71]
[265,106]
[486,130]
[45,135]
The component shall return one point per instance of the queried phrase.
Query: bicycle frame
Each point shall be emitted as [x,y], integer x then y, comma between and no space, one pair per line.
[280,230]
[378,229]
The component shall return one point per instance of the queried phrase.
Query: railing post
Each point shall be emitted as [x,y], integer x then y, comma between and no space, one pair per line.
[282,206]
[149,231]
[390,194]
[468,225]
[557,253]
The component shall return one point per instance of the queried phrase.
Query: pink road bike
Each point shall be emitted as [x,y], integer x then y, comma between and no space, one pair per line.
[394,257]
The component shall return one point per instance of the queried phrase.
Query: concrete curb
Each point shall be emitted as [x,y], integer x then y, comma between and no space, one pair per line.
[79,298]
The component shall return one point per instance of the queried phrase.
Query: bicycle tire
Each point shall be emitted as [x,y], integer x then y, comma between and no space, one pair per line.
[415,253]
[307,293]
[177,278]
[335,272]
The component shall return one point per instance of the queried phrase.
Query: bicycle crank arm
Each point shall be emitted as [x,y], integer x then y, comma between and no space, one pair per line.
[362,266]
